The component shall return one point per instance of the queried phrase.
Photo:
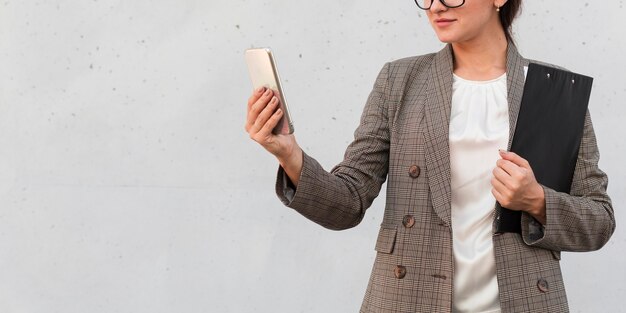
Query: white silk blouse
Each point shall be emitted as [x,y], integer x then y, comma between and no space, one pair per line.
[479,126]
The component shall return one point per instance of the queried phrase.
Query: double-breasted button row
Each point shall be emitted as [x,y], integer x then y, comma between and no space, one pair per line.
[542,284]
[414,171]
[408,221]
[399,271]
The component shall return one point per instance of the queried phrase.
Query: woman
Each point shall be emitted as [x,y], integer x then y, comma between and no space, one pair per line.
[437,127]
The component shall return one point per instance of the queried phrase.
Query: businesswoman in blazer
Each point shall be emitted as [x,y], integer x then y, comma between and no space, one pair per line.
[437,127]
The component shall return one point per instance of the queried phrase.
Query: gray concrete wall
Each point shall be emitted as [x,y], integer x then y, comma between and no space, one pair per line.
[127,182]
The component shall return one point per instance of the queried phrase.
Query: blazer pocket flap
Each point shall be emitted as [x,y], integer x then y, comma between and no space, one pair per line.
[386,240]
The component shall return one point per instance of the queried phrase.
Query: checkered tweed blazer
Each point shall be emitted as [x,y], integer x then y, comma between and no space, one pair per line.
[403,137]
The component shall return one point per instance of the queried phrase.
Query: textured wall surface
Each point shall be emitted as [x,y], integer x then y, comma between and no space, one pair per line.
[127,182]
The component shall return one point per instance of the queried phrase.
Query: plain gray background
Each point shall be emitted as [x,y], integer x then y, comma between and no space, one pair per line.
[128,184]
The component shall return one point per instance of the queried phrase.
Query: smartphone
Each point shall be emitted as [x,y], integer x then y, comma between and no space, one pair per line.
[263,73]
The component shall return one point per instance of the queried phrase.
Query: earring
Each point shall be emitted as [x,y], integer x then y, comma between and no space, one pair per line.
[497,8]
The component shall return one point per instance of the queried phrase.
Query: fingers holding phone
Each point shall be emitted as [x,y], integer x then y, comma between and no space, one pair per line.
[257,104]
[263,114]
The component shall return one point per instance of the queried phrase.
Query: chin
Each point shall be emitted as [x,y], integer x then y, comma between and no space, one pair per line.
[447,38]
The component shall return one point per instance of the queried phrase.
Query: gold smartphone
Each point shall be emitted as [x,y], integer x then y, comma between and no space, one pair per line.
[263,73]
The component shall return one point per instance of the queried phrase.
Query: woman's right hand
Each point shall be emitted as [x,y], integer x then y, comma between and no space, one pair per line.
[263,115]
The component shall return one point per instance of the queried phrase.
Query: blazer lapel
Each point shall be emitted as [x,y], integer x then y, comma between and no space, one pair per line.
[515,86]
[437,119]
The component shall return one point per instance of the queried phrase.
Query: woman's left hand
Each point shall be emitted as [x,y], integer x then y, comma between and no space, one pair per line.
[515,187]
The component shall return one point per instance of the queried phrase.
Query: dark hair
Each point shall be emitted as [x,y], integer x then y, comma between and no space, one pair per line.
[508,13]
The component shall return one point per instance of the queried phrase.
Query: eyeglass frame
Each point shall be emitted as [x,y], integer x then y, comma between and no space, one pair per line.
[442,2]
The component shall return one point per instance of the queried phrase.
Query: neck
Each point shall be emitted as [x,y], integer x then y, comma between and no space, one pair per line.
[480,60]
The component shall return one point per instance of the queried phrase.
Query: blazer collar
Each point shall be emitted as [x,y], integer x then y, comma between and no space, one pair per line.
[437,119]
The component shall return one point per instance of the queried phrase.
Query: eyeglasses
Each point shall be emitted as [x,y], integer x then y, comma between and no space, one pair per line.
[426,4]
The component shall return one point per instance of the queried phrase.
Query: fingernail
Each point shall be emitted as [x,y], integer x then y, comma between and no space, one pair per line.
[267,92]
[274,99]
[260,90]
[502,151]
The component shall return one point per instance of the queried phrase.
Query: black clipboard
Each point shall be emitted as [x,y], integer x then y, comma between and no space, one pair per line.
[548,131]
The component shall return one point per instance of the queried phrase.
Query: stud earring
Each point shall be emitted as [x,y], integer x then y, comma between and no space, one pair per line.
[497,8]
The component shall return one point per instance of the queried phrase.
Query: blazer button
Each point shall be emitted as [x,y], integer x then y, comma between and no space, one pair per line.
[408,221]
[542,284]
[414,171]
[399,271]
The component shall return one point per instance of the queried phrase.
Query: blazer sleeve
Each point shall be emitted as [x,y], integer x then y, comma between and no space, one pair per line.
[338,199]
[582,220]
